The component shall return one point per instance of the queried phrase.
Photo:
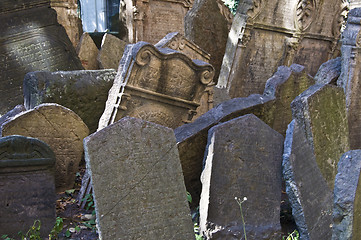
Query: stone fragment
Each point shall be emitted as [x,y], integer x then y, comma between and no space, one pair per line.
[307,189]
[158,85]
[31,39]
[87,52]
[27,188]
[320,112]
[243,158]
[192,137]
[207,26]
[347,201]
[329,72]
[350,74]
[61,129]
[139,191]
[84,92]
[111,52]
[286,84]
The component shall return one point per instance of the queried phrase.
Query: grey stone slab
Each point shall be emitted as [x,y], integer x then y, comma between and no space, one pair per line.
[307,190]
[111,52]
[84,92]
[139,191]
[27,187]
[243,158]
[329,72]
[347,201]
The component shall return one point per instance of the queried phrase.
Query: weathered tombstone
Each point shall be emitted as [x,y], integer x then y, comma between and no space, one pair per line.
[84,92]
[243,159]
[158,85]
[31,39]
[286,84]
[308,192]
[192,137]
[320,112]
[27,188]
[329,72]
[350,74]
[87,52]
[206,26]
[268,34]
[111,52]
[142,170]
[16,110]
[347,201]
[61,129]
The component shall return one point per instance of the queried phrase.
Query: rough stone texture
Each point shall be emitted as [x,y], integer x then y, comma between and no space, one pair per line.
[268,34]
[206,26]
[307,189]
[347,197]
[16,110]
[321,114]
[286,84]
[61,129]
[87,52]
[355,4]
[152,20]
[27,189]
[31,39]
[84,92]
[67,12]
[329,72]
[111,52]
[192,137]
[142,170]
[243,158]
[350,74]
[158,85]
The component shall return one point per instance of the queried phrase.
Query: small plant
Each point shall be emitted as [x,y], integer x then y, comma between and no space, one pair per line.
[292,236]
[239,201]
[89,201]
[56,229]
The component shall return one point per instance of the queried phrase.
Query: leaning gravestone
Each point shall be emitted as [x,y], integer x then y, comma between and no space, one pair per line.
[61,129]
[307,190]
[347,201]
[243,159]
[111,52]
[84,92]
[329,72]
[138,191]
[27,188]
[87,52]
[15,111]
[31,40]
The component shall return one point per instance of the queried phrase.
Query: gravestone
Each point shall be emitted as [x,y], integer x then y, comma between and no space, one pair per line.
[286,84]
[158,85]
[243,158]
[347,201]
[84,92]
[27,189]
[31,40]
[16,110]
[308,192]
[61,129]
[142,170]
[321,114]
[87,52]
[192,137]
[268,34]
[350,74]
[329,72]
[111,51]
[206,26]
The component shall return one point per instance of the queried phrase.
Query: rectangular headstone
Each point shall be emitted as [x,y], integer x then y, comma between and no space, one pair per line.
[111,52]
[27,187]
[88,52]
[243,159]
[139,191]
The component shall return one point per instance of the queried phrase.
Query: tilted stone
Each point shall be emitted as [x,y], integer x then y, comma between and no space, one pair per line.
[111,52]
[243,159]
[139,191]
[329,72]
[16,110]
[27,188]
[88,52]
[158,85]
[61,129]
[84,92]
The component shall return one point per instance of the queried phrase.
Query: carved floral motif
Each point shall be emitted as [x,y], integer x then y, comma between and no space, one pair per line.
[339,22]
[305,13]
[256,8]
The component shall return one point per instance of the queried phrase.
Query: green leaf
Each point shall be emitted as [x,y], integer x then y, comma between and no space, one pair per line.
[67,233]
[77,229]
[70,191]
[189,197]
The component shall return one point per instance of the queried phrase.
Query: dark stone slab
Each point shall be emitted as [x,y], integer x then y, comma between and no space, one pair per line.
[243,158]
[329,72]
[139,191]
[84,92]
[27,188]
